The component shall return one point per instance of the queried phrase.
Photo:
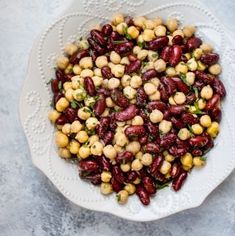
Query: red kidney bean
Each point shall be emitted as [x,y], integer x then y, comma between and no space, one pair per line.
[94,178]
[167,115]
[110,45]
[142,194]
[189,119]
[98,49]
[131,176]
[167,140]
[125,156]
[123,48]
[143,139]
[184,48]
[149,185]
[156,105]
[215,114]
[160,177]
[181,86]
[116,36]
[184,58]
[205,78]
[210,143]
[209,58]
[156,164]
[213,102]
[178,182]
[104,92]
[149,74]
[198,141]
[197,152]
[177,151]
[141,97]
[107,29]
[133,67]
[218,87]
[77,56]
[176,55]
[103,126]
[60,76]
[55,86]
[118,174]
[169,84]
[191,98]
[70,114]
[106,72]
[143,114]
[116,185]
[98,37]
[151,128]
[113,124]
[108,137]
[135,130]
[94,54]
[177,123]
[129,20]
[119,98]
[103,162]
[152,148]
[166,53]
[177,40]
[127,114]
[193,43]
[61,120]
[132,58]
[199,85]
[164,93]
[158,43]
[100,106]
[175,170]
[88,165]
[89,86]
[57,97]
[177,109]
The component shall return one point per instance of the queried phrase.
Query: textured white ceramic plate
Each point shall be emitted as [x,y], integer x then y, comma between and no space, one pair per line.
[35,98]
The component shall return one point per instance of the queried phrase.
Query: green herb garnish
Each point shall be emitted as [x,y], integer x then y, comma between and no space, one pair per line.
[163,186]
[49,81]
[141,44]
[203,158]
[74,104]
[195,89]
[126,33]
[118,41]
[60,86]
[183,78]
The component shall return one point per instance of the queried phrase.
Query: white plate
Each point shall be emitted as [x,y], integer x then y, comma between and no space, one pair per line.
[35,98]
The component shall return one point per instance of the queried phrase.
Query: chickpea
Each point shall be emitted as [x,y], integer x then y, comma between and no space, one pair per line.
[149,88]
[156,116]
[160,30]
[158,21]
[148,35]
[215,69]
[86,73]
[79,94]
[184,134]
[165,167]
[136,49]
[179,98]
[136,165]
[76,126]
[139,155]
[68,69]
[149,65]
[207,92]
[86,63]
[206,47]
[190,78]
[170,71]
[137,120]
[188,55]
[129,92]
[205,121]
[121,139]
[198,161]
[82,136]
[125,81]
[84,152]
[67,85]
[130,188]
[146,159]
[178,32]
[197,129]
[122,197]
[101,61]
[171,24]
[200,66]
[133,32]
[105,113]
[201,103]
[92,139]
[109,102]
[84,113]
[77,81]
[136,81]
[170,37]
[169,158]
[118,70]
[74,147]
[91,123]
[197,53]
[165,126]
[70,49]
[118,149]
[97,72]
[69,95]
[187,160]
[110,152]
[83,44]
[125,61]
[171,101]
[125,167]
[156,96]
[113,83]
[89,101]
[139,21]
[117,19]
[152,55]
[192,64]
[120,124]
[137,181]
[133,147]
[97,148]
[106,176]
[61,139]
[181,68]
[53,115]
[62,104]
[213,129]
[189,30]
[142,54]
[155,81]
[66,129]
[121,28]
[105,83]
[160,65]
[62,62]
[77,69]
[64,153]
[106,188]
[115,57]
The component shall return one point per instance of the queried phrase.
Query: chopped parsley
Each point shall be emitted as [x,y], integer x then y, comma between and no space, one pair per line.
[195,89]
[183,78]
[74,104]
[141,44]
[49,81]
[126,33]
[163,186]
[203,158]
[60,86]
[118,41]
[118,197]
